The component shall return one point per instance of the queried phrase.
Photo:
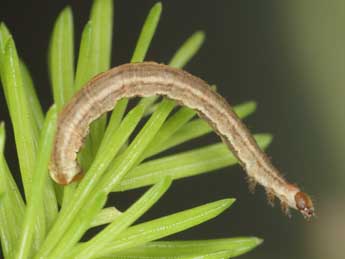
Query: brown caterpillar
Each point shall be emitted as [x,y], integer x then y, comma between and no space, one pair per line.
[147,79]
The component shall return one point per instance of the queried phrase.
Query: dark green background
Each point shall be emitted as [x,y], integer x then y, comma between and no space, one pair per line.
[286,55]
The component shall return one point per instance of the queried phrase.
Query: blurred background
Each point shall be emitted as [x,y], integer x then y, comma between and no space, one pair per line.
[288,56]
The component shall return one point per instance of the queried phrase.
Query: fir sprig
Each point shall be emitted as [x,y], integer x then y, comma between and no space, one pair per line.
[37,228]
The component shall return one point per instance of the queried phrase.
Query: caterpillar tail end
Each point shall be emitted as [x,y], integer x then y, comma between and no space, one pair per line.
[65,178]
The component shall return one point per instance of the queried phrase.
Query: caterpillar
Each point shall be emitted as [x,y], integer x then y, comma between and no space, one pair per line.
[148,79]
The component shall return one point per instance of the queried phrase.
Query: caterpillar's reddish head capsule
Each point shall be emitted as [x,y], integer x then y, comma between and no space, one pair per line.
[304,204]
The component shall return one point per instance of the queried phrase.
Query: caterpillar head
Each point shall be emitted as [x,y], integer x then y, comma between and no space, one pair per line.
[304,204]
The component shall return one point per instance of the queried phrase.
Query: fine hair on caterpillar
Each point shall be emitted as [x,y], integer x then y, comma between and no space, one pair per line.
[145,79]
